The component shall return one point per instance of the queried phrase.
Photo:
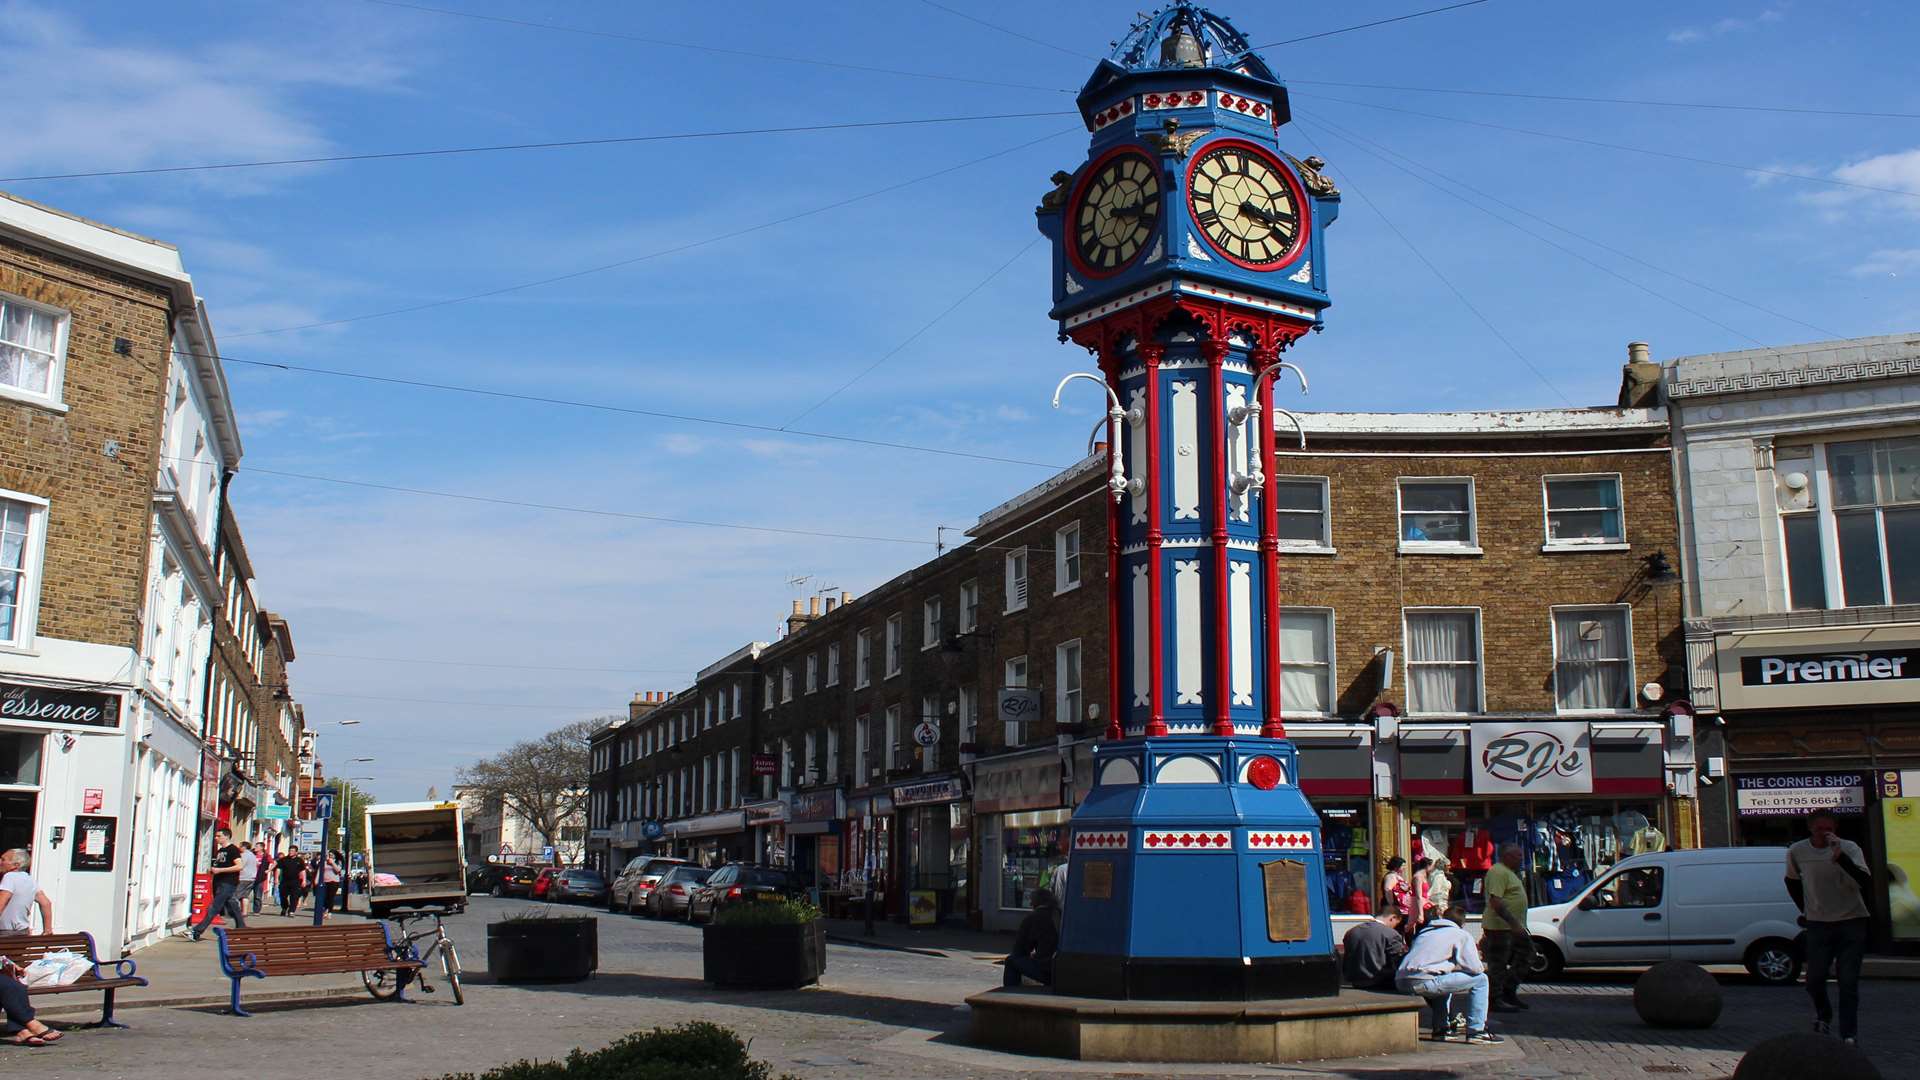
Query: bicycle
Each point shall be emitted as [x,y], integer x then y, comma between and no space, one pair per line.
[387,984]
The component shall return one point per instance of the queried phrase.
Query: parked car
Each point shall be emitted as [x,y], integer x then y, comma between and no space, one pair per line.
[543,882]
[584,886]
[1710,906]
[669,898]
[630,888]
[741,883]
[500,879]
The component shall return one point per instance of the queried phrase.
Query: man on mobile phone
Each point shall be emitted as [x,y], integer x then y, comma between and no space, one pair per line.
[1828,879]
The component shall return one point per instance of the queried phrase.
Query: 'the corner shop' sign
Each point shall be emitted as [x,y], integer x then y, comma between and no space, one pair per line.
[1797,794]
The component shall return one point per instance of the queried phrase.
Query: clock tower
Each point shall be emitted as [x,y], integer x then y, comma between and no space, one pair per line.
[1188,255]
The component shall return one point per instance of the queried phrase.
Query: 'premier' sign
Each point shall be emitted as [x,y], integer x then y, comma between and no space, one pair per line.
[1847,667]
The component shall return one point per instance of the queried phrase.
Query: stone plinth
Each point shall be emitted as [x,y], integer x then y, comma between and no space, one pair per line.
[1354,1024]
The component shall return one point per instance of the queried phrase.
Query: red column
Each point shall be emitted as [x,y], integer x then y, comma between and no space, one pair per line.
[1272,728]
[1215,350]
[1150,353]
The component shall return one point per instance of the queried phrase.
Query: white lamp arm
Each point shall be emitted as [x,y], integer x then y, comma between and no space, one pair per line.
[1116,416]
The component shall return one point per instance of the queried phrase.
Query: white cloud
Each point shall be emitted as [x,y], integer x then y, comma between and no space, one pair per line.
[1688,35]
[1891,262]
[1884,179]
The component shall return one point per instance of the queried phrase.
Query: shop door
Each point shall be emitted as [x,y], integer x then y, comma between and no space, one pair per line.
[1622,920]
[16,819]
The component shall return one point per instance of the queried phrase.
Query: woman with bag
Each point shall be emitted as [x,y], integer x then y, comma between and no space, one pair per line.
[21,1028]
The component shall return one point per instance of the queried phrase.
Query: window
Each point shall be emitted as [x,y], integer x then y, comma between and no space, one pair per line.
[833,664]
[863,659]
[1017,580]
[863,746]
[766,698]
[931,616]
[810,761]
[890,750]
[813,672]
[1067,695]
[21,527]
[895,629]
[32,350]
[786,682]
[1584,510]
[1437,515]
[1629,889]
[969,606]
[1592,659]
[1876,515]
[833,755]
[786,763]
[1306,661]
[969,713]
[1066,558]
[1443,661]
[1016,679]
[929,714]
[738,693]
[1300,506]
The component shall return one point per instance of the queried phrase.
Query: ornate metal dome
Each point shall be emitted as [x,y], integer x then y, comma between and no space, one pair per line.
[1185,35]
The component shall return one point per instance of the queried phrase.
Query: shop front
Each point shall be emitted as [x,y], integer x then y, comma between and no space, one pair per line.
[1020,817]
[600,852]
[1824,718]
[767,827]
[710,839]
[870,855]
[934,826]
[1336,774]
[814,832]
[1576,796]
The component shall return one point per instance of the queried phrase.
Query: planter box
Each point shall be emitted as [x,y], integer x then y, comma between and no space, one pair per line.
[543,950]
[765,957]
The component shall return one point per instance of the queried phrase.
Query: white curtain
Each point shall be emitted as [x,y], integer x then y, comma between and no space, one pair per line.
[1442,662]
[1593,662]
[1303,661]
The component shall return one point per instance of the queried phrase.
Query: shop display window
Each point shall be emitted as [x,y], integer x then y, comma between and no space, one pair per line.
[1346,851]
[1566,845]
[20,758]
[1032,845]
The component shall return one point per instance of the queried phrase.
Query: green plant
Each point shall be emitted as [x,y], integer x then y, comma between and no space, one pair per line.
[785,913]
[545,914]
[693,1051]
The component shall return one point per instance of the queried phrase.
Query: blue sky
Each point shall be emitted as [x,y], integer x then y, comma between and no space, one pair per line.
[760,327]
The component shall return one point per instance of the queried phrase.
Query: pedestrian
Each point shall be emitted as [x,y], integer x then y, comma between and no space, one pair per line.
[1393,886]
[225,871]
[18,1011]
[328,876]
[1371,951]
[1829,882]
[1416,909]
[20,894]
[1442,962]
[1504,930]
[1439,886]
[1035,943]
[260,865]
[292,872]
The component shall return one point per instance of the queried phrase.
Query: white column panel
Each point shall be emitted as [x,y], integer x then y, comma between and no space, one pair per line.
[1186,451]
[1187,643]
[1142,655]
[1240,612]
[1241,463]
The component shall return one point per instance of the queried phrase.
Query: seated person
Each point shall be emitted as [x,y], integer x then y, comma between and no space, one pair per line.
[1372,951]
[1443,961]
[1036,942]
[19,1024]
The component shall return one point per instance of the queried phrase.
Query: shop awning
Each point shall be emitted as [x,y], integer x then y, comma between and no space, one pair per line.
[731,821]
[1433,733]
[1316,732]
[1626,730]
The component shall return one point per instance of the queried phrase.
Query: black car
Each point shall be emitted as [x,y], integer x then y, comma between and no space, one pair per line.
[742,883]
[500,879]
[578,885]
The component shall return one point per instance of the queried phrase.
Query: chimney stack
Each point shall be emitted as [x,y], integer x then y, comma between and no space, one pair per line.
[1639,378]
[813,606]
[845,598]
[830,602]
[644,702]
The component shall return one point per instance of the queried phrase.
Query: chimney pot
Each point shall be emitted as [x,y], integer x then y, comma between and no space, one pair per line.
[845,598]
[796,607]
[813,605]
[830,602]
[1638,352]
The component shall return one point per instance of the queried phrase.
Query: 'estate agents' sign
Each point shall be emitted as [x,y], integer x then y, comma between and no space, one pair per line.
[62,708]
[1531,757]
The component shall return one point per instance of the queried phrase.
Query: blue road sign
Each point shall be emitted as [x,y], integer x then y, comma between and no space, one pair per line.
[323,803]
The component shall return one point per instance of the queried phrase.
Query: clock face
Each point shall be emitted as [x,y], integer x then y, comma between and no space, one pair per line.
[1246,205]
[1116,213]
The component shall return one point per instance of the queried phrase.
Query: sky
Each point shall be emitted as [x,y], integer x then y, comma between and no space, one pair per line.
[879,282]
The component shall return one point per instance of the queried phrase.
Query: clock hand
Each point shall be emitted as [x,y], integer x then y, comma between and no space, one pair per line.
[1265,217]
[1133,211]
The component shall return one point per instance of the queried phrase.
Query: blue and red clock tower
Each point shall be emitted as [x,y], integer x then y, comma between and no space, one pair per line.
[1188,256]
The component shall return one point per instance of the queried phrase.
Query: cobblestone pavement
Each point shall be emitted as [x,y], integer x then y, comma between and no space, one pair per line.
[877,1014]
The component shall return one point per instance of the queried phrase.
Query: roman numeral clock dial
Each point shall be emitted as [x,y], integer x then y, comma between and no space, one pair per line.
[1246,205]
[1115,213]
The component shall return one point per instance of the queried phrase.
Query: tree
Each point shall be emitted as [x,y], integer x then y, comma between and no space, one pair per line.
[543,780]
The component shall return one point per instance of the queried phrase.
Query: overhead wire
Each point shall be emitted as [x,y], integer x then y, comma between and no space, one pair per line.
[1448,282]
[661,253]
[1371,25]
[1387,153]
[556,144]
[1574,98]
[1754,169]
[496,664]
[1031,40]
[719,50]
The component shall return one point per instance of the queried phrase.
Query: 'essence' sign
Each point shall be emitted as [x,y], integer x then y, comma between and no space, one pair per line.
[64,708]
[1883,666]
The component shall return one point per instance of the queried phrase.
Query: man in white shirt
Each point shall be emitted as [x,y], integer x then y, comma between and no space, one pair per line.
[1828,878]
[1443,961]
[19,894]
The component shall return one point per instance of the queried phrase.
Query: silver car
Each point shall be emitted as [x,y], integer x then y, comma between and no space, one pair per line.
[669,898]
[630,888]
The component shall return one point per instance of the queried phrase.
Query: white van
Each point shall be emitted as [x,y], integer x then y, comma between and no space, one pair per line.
[1710,906]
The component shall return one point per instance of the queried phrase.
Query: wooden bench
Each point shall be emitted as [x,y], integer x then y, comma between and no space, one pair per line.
[24,949]
[310,950]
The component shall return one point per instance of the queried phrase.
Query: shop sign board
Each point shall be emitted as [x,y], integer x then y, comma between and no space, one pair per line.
[1895,783]
[1440,815]
[765,813]
[1872,665]
[731,821]
[926,733]
[765,765]
[816,806]
[928,792]
[274,812]
[95,839]
[1797,794]
[20,703]
[1019,705]
[1532,757]
[1031,783]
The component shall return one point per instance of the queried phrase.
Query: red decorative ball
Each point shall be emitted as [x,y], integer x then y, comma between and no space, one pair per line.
[1264,773]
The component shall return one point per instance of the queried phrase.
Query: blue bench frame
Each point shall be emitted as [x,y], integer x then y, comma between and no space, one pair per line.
[248,966]
[122,977]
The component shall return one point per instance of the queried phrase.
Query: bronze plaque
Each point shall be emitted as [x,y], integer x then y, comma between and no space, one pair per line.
[1096,879]
[1289,916]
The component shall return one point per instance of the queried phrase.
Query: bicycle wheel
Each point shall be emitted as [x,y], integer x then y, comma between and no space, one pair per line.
[450,966]
[383,985]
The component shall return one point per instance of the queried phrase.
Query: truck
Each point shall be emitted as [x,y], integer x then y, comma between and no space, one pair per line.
[415,858]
